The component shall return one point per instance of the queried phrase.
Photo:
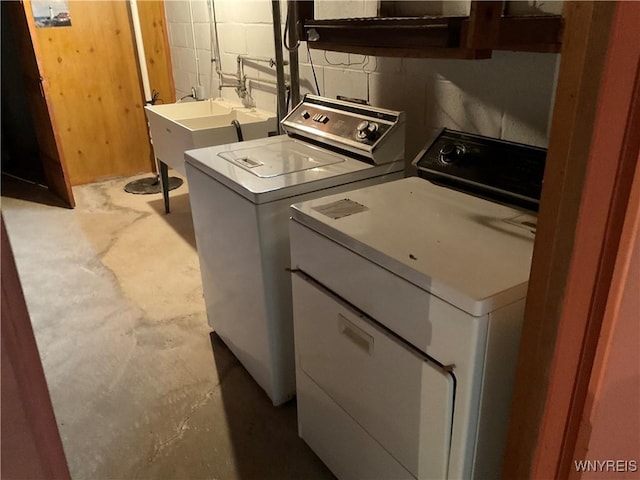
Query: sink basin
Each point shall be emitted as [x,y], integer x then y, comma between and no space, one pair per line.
[177,127]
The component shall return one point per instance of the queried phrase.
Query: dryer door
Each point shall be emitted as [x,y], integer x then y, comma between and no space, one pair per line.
[403,399]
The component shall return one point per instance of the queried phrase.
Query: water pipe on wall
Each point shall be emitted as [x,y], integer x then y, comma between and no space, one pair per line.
[262,80]
[251,58]
[198,91]
[216,58]
[239,77]
[291,35]
[243,78]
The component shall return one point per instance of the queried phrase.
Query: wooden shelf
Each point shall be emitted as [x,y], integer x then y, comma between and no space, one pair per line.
[472,37]
[531,34]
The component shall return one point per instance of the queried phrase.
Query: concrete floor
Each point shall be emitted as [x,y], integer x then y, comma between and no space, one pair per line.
[140,386]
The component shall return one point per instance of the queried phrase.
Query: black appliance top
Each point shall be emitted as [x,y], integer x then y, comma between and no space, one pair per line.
[498,170]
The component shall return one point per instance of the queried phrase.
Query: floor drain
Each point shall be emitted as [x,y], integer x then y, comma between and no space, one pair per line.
[146,186]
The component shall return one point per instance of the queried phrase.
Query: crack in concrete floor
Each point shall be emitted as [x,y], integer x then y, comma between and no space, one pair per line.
[158,448]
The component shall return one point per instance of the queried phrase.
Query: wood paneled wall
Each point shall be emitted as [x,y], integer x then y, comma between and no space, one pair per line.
[93,86]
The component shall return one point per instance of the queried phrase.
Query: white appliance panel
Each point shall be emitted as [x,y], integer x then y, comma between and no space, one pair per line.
[360,456]
[450,232]
[498,377]
[346,258]
[446,333]
[396,395]
[243,250]
[228,223]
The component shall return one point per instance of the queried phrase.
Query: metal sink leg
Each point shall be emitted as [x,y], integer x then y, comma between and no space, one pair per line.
[164,180]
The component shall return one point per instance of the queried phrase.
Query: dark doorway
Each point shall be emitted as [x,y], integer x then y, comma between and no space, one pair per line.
[20,153]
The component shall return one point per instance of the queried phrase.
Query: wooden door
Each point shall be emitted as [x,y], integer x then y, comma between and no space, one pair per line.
[92,84]
[53,161]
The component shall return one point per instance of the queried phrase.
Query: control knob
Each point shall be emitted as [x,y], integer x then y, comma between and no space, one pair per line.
[450,152]
[366,130]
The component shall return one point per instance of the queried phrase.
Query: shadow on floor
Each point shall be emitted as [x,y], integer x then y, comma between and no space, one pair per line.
[264,438]
[13,187]
[180,216]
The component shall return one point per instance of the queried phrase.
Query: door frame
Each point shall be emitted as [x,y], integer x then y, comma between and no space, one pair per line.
[591,164]
[31,443]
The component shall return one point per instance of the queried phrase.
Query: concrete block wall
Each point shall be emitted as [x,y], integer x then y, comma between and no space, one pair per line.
[244,27]
[508,96]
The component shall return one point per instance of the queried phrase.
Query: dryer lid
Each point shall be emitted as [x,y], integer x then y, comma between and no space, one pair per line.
[471,253]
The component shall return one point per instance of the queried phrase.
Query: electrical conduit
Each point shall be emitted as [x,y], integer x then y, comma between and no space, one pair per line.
[142,59]
[277,21]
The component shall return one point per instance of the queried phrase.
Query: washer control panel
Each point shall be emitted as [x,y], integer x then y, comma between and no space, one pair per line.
[351,126]
[367,131]
[344,125]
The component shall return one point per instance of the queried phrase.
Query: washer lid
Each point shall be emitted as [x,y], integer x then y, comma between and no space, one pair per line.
[287,167]
[277,159]
[471,253]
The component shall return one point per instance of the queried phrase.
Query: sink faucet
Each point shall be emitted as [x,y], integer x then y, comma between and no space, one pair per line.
[244,94]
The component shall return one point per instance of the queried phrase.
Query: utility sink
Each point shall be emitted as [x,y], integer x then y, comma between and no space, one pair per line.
[177,127]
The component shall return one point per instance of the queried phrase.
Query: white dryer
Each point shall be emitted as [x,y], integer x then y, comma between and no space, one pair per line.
[408,304]
[240,196]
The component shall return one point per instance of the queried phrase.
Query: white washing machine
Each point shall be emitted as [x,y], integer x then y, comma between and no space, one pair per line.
[240,196]
[408,304]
